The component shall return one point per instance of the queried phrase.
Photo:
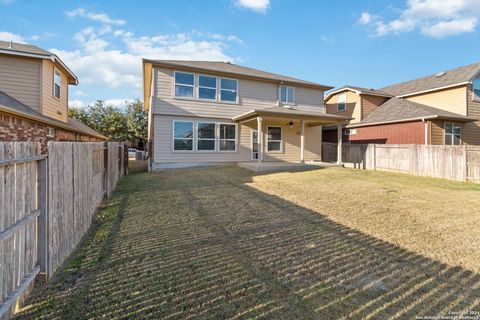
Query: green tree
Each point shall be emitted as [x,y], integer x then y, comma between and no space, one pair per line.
[137,121]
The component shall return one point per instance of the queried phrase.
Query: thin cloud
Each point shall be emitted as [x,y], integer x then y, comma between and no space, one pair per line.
[433,18]
[95,16]
[260,6]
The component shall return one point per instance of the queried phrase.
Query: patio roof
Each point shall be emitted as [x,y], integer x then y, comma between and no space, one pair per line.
[292,113]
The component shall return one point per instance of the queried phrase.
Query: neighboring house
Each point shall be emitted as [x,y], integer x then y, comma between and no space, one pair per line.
[441,109]
[214,112]
[34,97]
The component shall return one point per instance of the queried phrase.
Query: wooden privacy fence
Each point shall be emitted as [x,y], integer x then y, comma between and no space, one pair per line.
[47,204]
[461,163]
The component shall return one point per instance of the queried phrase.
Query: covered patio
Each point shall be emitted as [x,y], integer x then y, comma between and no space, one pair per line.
[287,136]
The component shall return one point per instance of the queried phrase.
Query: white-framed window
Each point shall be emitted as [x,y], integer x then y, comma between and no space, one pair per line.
[206,136]
[274,139]
[50,132]
[227,137]
[453,133]
[476,89]
[183,135]
[342,102]
[57,83]
[287,95]
[184,84]
[228,90]
[350,132]
[207,87]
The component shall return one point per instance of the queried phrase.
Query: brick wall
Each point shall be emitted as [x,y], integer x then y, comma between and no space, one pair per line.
[14,128]
[395,133]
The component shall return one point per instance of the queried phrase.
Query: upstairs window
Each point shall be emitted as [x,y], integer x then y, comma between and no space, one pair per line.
[184,84]
[453,133]
[183,136]
[342,102]
[205,136]
[57,82]
[476,89]
[207,87]
[287,95]
[228,90]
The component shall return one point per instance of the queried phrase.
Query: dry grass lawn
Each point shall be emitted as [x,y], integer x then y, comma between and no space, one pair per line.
[224,243]
[436,218]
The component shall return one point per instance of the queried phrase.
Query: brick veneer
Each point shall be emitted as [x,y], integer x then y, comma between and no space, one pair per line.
[13,128]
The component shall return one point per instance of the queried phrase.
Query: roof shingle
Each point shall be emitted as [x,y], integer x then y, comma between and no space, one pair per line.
[439,80]
[397,110]
[8,103]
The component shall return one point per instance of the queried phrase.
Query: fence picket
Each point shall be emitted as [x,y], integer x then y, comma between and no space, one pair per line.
[461,163]
[46,206]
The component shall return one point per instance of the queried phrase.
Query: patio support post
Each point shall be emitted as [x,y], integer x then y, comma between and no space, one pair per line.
[302,141]
[339,143]
[260,139]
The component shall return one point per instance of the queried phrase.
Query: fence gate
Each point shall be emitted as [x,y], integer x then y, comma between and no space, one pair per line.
[22,205]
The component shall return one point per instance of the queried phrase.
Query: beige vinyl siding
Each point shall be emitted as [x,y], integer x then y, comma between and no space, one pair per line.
[291,143]
[163,144]
[51,106]
[164,154]
[453,100]
[369,103]
[20,78]
[471,130]
[437,132]
[252,95]
[352,107]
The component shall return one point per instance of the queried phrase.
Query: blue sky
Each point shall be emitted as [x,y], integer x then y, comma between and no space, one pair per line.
[365,43]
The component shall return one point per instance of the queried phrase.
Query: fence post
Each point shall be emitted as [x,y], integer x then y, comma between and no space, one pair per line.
[374,160]
[42,205]
[105,170]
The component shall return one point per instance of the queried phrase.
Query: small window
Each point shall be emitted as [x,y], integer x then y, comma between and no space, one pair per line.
[476,89]
[207,88]
[342,102]
[227,137]
[228,90]
[205,136]
[184,84]
[274,139]
[350,132]
[183,136]
[50,132]
[453,134]
[57,82]
[287,95]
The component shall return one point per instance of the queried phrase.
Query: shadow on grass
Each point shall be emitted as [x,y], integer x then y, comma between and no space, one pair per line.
[203,244]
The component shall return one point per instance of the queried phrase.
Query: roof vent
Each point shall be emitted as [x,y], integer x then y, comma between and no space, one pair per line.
[440,74]
[11,45]
[228,62]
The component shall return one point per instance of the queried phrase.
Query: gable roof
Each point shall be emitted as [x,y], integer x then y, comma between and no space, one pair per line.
[400,110]
[235,69]
[11,105]
[28,50]
[451,78]
[358,90]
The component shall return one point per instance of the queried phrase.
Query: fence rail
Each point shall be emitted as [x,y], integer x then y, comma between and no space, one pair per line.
[460,163]
[46,206]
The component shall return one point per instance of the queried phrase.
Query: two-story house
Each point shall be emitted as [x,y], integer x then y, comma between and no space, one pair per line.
[440,109]
[209,113]
[34,97]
